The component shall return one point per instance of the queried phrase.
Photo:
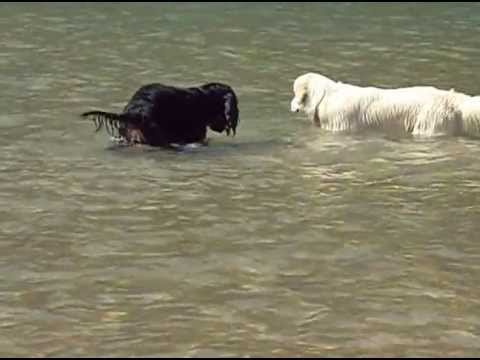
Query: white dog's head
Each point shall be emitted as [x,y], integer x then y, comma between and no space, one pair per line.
[309,90]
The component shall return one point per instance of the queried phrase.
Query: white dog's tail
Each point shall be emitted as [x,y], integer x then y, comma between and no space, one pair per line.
[470,109]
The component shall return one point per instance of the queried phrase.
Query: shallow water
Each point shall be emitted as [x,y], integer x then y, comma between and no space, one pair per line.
[283,241]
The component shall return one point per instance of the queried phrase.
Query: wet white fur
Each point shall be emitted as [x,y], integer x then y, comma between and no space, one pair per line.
[420,110]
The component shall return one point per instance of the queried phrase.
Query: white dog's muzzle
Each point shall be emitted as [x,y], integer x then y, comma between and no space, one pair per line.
[294,107]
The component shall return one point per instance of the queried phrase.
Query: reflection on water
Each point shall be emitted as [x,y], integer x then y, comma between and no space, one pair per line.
[282,241]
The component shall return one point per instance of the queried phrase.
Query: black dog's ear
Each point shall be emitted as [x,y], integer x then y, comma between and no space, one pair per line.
[231,112]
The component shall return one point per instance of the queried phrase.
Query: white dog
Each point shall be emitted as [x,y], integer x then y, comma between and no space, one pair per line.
[420,110]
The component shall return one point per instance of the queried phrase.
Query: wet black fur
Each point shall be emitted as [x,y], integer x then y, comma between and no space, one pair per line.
[167,114]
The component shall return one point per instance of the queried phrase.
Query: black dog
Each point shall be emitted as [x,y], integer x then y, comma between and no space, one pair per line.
[161,115]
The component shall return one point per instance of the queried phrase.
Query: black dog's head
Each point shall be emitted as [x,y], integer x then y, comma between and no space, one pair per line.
[226,113]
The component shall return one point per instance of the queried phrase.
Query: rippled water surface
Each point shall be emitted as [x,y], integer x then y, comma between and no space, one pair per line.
[283,241]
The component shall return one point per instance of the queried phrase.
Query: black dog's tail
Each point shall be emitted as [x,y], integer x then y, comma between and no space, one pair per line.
[110,120]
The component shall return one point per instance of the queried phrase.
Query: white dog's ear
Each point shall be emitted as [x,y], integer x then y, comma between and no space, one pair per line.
[315,103]
[324,92]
